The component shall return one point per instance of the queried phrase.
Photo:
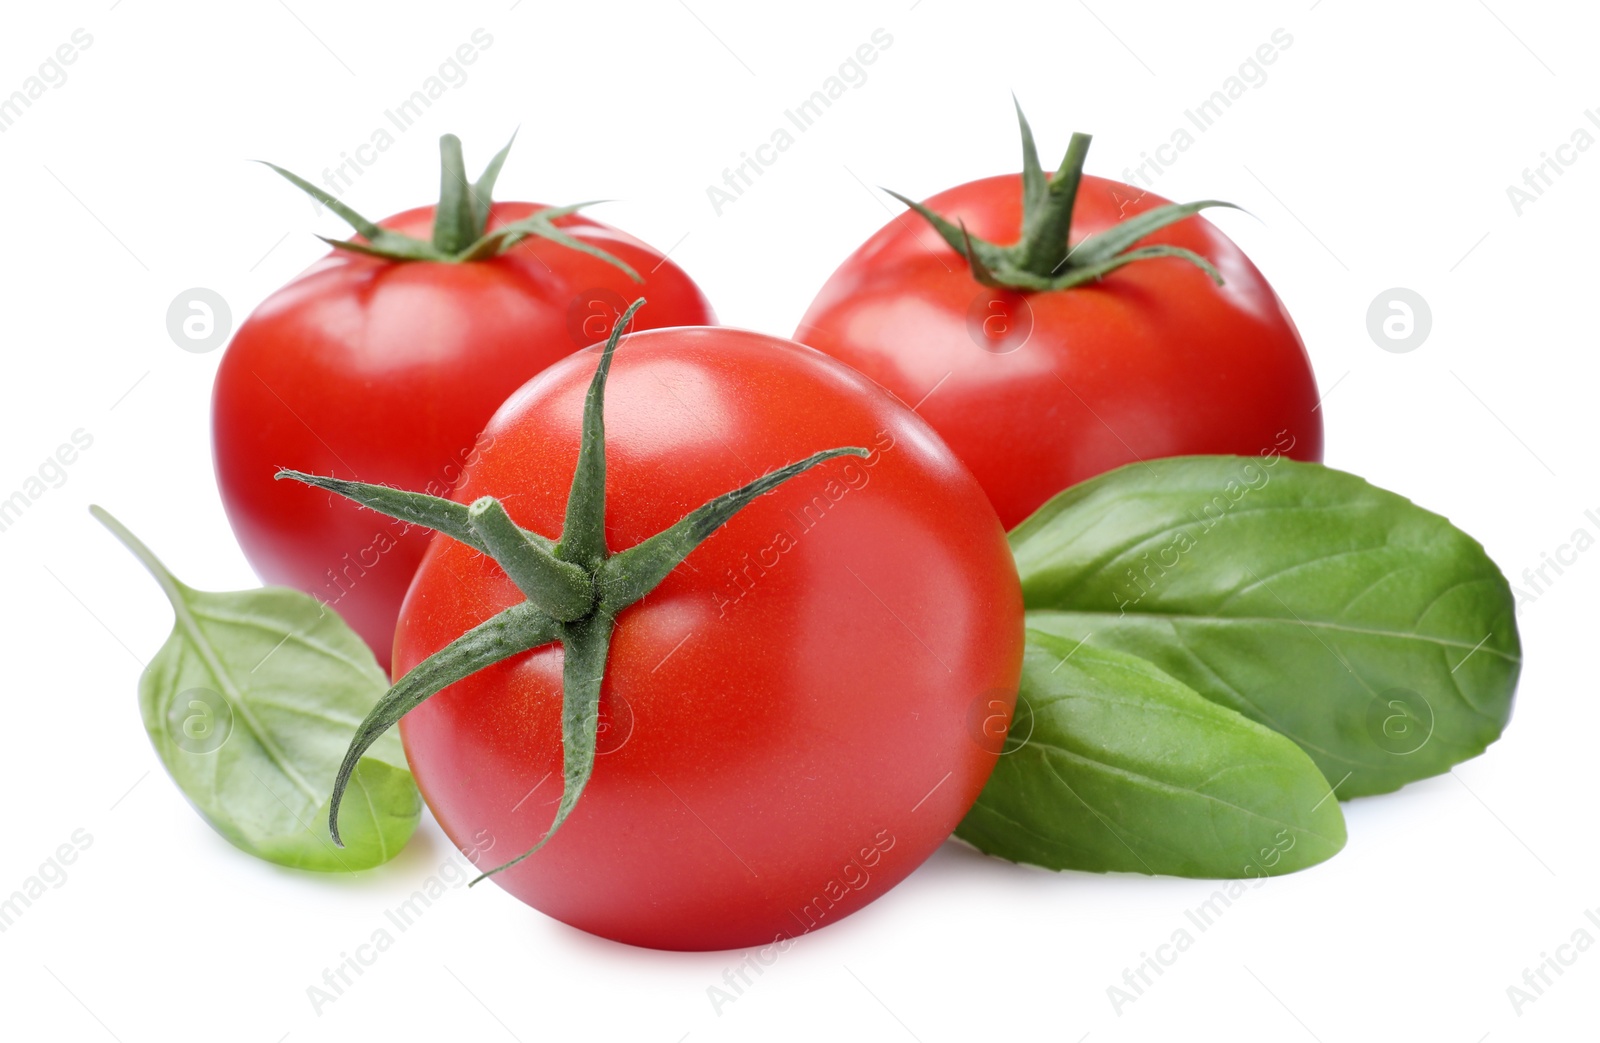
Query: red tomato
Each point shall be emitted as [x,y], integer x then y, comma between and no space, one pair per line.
[795,718]
[1036,391]
[385,372]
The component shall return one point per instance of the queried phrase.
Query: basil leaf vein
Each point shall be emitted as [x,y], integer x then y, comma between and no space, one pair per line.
[1119,767]
[250,704]
[1373,632]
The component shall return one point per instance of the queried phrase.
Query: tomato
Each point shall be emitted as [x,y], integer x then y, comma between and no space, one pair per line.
[1036,389]
[385,371]
[801,711]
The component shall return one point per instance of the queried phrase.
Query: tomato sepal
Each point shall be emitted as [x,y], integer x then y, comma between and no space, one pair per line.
[563,590]
[516,629]
[460,220]
[553,575]
[631,574]
[429,512]
[585,645]
[1042,259]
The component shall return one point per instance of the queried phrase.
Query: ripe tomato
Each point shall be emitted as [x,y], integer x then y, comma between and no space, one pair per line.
[1037,389]
[795,718]
[385,371]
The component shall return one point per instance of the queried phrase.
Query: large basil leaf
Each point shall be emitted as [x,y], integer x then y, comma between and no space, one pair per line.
[1112,765]
[1374,633]
[250,704]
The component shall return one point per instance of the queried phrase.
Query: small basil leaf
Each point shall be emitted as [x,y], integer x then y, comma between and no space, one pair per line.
[250,704]
[1372,632]
[1113,765]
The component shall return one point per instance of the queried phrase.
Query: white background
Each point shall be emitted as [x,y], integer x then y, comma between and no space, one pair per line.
[1376,154]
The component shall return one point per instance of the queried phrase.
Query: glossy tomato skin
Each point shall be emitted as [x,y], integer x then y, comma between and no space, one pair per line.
[796,718]
[386,372]
[1039,391]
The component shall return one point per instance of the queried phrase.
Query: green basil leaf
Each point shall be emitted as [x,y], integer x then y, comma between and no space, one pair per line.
[250,704]
[1375,634]
[1112,765]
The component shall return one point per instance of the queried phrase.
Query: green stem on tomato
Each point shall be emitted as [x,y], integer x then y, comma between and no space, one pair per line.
[452,218]
[460,221]
[1043,257]
[575,587]
[564,591]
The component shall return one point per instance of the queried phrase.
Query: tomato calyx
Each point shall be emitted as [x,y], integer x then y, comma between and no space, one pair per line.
[575,587]
[1042,258]
[460,220]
